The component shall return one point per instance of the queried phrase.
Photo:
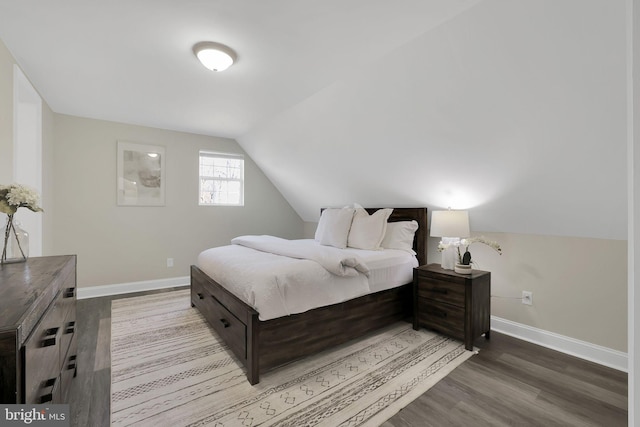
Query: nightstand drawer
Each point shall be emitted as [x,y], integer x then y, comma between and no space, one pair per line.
[445,318]
[452,293]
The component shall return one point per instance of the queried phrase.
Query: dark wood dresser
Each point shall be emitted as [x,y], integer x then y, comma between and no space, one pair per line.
[458,305]
[37,330]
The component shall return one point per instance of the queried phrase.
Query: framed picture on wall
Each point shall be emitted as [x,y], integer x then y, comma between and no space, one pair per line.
[141,174]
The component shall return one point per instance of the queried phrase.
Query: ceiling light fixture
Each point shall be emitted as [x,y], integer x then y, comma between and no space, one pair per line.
[214,56]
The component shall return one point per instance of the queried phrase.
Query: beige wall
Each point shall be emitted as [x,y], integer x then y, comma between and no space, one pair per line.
[579,284]
[128,244]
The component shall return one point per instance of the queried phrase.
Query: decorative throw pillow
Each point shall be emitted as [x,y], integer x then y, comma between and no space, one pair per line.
[400,235]
[333,227]
[367,231]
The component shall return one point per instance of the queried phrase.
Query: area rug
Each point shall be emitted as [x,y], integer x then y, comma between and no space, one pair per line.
[168,368]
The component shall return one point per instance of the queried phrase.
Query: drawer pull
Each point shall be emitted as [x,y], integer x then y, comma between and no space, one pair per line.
[69,292]
[51,382]
[71,326]
[440,291]
[439,313]
[225,323]
[72,362]
[51,333]
[200,296]
[73,365]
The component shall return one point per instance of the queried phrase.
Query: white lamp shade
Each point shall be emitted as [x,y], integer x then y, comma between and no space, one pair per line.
[450,224]
[214,56]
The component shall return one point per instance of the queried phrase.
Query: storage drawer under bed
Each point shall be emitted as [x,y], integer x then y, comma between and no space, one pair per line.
[228,326]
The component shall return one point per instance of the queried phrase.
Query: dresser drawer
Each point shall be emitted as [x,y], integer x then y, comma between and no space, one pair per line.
[446,318]
[439,290]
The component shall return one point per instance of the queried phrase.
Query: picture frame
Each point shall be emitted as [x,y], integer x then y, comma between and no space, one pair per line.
[140,174]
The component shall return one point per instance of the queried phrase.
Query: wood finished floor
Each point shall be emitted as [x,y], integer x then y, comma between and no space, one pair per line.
[509,383]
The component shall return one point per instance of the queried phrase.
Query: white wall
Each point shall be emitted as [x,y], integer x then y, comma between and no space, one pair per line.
[515,109]
[118,244]
[7,170]
[27,152]
[6,115]
[633,26]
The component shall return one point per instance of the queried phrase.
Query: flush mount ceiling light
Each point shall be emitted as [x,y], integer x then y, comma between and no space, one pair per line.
[214,56]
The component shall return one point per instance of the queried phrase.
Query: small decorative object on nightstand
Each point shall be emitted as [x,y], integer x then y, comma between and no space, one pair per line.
[463,268]
[454,304]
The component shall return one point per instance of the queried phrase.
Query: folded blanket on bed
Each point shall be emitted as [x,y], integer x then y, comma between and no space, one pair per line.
[332,259]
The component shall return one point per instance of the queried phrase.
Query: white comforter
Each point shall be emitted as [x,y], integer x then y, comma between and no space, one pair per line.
[277,285]
[334,260]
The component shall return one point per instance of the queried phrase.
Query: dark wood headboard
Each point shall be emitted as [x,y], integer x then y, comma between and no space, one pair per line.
[409,214]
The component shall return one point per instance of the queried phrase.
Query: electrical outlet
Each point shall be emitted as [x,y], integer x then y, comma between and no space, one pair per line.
[527,297]
[169,262]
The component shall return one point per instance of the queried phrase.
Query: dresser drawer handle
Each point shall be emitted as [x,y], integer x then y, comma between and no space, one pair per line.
[69,292]
[71,326]
[440,291]
[439,313]
[225,323]
[72,362]
[51,382]
[51,333]
[200,295]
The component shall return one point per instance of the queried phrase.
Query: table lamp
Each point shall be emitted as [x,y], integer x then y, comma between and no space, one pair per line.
[450,226]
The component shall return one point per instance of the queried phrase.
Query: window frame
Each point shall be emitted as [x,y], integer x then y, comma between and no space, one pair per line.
[202,178]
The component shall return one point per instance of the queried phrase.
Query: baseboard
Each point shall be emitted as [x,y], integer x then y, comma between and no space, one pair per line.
[602,355]
[127,288]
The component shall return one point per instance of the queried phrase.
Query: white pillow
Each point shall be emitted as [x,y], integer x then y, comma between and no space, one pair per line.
[367,231]
[399,235]
[333,227]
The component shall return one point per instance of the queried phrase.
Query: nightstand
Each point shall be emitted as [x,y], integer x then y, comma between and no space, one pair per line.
[457,305]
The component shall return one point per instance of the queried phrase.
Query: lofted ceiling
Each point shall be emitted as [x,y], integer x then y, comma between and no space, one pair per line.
[132,61]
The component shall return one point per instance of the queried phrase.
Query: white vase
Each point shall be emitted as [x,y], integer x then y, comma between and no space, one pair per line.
[15,240]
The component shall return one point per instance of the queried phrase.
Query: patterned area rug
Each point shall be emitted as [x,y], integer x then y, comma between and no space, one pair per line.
[168,368]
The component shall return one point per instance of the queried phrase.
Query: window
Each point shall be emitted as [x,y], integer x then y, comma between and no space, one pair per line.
[221,179]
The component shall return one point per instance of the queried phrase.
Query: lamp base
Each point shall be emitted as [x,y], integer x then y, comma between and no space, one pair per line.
[450,255]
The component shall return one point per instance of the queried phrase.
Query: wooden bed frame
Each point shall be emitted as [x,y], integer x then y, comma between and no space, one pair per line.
[263,345]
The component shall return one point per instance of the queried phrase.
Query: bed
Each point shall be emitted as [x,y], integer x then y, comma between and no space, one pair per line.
[261,345]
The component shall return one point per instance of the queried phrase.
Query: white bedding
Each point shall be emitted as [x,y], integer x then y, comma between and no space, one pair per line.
[334,260]
[276,285]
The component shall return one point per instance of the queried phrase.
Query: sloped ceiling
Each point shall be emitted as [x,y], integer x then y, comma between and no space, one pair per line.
[512,109]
